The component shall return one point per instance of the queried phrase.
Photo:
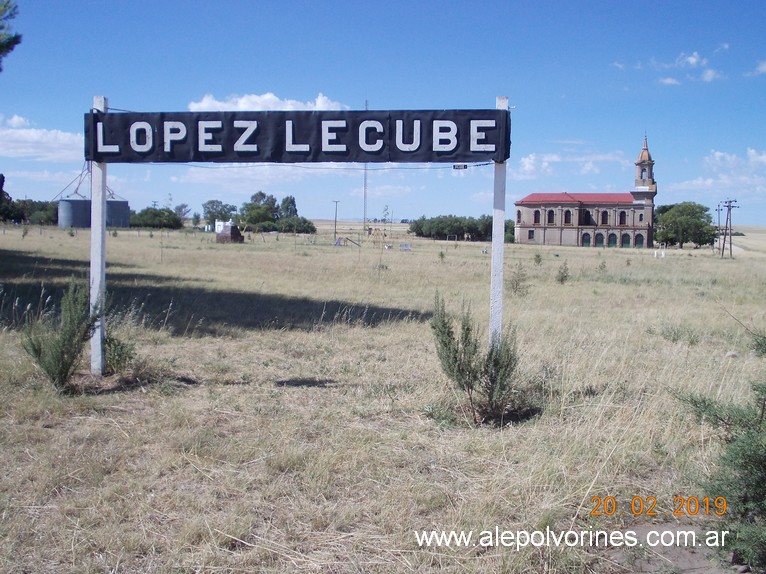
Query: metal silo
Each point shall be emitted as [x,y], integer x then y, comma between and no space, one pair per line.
[117,213]
[74,213]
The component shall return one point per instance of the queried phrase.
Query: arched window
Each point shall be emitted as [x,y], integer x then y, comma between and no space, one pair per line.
[604,218]
[625,240]
[612,240]
[586,239]
[643,173]
[640,217]
[518,216]
[599,239]
[537,217]
[551,217]
[587,218]
[639,241]
[567,217]
[623,218]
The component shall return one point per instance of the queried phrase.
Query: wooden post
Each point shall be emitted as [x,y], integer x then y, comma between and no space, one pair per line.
[98,253]
[498,245]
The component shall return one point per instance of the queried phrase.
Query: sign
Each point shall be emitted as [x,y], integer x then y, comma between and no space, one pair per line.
[446,136]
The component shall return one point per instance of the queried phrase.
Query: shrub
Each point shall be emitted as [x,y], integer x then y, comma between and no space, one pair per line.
[517,282]
[56,343]
[562,275]
[118,354]
[489,380]
[740,475]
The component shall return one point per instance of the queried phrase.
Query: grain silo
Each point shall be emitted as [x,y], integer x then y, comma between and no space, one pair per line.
[74,213]
[117,213]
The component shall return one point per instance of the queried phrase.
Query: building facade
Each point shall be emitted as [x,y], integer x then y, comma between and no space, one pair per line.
[592,219]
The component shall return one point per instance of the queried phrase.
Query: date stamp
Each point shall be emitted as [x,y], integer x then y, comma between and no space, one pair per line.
[647,506]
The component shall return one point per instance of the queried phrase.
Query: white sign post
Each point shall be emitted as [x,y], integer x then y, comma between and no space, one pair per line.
[498,245]
[98,253]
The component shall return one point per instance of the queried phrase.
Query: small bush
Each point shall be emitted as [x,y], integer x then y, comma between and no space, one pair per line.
[56,343]
[538,259]
[489,380]
[740,475]
[118,355]
[562,276]
[517,283]
[758,343]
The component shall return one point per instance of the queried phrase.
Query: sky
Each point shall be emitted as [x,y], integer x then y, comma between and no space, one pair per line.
[586,82]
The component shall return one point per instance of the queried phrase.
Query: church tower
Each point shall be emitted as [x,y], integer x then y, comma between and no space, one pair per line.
[645,170]
[644,190]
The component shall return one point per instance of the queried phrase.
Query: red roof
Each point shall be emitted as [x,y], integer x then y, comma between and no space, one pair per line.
[564,197]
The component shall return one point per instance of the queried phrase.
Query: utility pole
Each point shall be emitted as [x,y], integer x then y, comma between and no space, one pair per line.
[718,229]
[335,227]
[728,204]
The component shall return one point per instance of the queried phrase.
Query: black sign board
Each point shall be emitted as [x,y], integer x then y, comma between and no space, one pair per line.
[423,136]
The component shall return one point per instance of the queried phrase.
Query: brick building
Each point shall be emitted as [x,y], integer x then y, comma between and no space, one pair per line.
[592,219]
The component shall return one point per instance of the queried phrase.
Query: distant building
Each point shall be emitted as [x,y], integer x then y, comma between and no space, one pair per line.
[592,219]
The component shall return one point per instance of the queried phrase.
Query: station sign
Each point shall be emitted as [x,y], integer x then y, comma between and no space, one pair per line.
[422,136]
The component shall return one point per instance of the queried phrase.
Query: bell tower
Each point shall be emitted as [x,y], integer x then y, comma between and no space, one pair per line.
[645,170]
[643,192]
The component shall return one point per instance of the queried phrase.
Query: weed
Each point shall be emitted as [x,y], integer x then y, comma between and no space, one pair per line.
[562,275]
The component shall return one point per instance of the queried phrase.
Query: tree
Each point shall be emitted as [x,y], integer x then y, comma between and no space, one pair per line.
[8,41]
[196,219]
[182,210]
[159,218]
[217,210]
[288,208]
[685,222]
[296,224]
[260,208]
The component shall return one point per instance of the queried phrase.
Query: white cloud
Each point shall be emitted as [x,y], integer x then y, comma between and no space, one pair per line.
[589,168]
[760,68]
[534,166]
[693,60]
[40,144]
[731,175]
[709,75]
[262,102]
[756,159]
[17,122]
[669,81]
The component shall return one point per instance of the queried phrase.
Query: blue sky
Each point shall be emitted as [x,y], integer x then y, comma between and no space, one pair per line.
[586,81]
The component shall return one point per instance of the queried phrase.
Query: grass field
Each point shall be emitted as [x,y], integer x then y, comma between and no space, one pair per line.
[294,417]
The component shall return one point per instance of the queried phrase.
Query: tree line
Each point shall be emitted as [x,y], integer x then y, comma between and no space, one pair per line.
[472,228]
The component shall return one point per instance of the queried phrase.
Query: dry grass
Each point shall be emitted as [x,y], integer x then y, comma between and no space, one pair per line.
[286,431]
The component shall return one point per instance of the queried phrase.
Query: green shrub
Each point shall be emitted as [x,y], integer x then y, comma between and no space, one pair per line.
[740,475]
[517,282]
[118,355]
[56,343]
[562,275]
[488,379]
